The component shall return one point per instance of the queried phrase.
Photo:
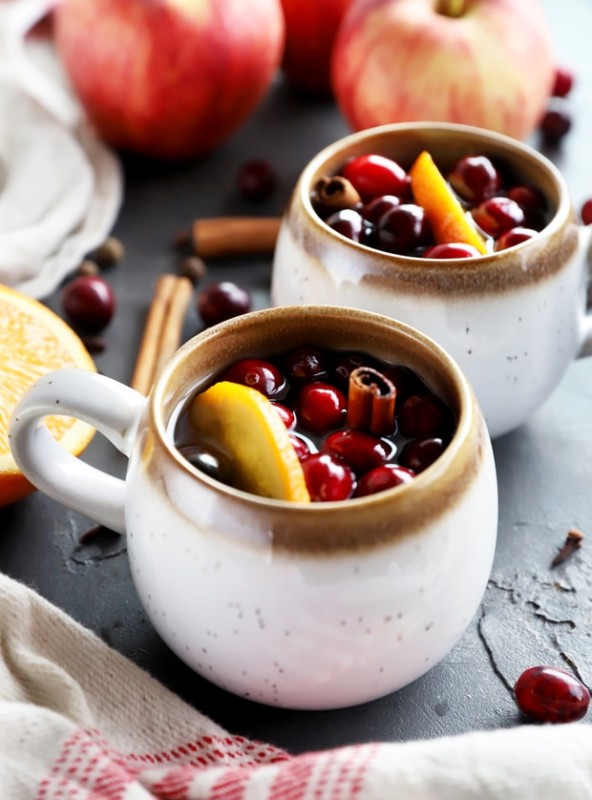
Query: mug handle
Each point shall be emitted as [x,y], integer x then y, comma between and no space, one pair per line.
[586,334]
[111,407]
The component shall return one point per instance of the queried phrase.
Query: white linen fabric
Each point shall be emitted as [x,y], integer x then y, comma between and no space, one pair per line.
[60,187]
[78,721]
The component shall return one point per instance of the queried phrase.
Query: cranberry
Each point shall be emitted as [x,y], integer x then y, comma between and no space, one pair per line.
[302,446]
[348,222]
[320,407]
[497,215]
[563,81]
[213,464]
[221,301]
[513,237]
[385,477]
[452,250]
[374,210]
[256,179]
[403,229]
[327,478]
[474,179]
[375,175]
[527,196]
[360,450]
[586,213]
[550,694]
[556,121]
[418,454]
[305,363]
[89,301]
[423,415]
[256,373]
[345,365]
[406,381]
[287,416]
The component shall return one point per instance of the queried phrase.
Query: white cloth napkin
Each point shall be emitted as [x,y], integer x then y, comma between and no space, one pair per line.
[80,722]
[60,187]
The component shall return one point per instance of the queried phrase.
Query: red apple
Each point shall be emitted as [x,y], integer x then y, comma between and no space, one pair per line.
[169,78]
[311,26]
[479,62]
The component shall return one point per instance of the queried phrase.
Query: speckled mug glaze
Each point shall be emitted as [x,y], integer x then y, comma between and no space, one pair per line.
[513,320]
[311,606]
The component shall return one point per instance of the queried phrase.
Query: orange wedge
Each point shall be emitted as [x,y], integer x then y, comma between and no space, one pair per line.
[33,341]
[244,424]
[446,215]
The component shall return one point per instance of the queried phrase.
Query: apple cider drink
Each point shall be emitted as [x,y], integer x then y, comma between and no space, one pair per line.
[314,425]
[476,208]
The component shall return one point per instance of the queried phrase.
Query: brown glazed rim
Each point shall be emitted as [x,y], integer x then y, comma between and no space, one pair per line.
[383,139]
[454,468]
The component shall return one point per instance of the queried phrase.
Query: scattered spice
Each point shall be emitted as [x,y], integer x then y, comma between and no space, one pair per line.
[573,542]
[217,237]
[109,253]
[371,401]
[94,344]
[182,241]
[194,268]
[88,267]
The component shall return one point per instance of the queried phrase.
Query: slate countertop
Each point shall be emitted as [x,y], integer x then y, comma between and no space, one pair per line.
[531,614]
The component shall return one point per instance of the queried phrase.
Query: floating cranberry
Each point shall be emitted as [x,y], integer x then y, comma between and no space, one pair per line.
[345,365]
[556,121]
[497,215]
[287,416]
[381,478]
[375,175]
[327,478]
[513,237]
[305,363]
[320,407]
[89,301]
[256,373]
[222,301]
[418,454]
[301,445]
[452,250]
[563,81]
[527,196]
[348,222]
[406,381]
[550,694]
[256,179]
[375,209]
[362,451]
[586,212]
[423,415]
[403,229]
[475,178]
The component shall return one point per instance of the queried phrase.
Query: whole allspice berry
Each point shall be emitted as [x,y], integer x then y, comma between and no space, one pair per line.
[109,253]
[194,268]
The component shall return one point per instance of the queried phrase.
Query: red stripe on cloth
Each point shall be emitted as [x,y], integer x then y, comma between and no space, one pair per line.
[174,785]
[231,785]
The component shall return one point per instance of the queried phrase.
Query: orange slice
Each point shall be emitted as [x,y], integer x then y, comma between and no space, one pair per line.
[446,215]
[244,424]
[33,341]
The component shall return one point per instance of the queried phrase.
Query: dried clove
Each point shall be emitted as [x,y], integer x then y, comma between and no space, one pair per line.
[573,542]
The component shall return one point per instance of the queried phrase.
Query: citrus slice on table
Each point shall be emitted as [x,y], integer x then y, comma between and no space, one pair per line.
[34,341]
[443,210]
[245,426]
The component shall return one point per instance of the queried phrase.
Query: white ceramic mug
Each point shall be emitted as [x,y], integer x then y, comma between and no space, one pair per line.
[316,605]
[513,320]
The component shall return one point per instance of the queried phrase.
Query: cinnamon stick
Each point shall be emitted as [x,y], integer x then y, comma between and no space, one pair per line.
[162,330]
[234,236]
[371,401]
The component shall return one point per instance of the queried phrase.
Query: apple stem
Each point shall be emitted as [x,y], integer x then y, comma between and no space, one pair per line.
[451,8]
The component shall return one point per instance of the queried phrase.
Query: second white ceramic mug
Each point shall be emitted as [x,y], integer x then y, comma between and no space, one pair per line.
[513,320]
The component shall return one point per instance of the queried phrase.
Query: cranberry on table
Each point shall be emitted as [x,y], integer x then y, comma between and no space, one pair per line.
[513,237]
[320,407]
[385,477]
[418,454]
[222,301]
[563,81]
[403,229]
[551,694]
[327,478]
[452,250]
[586,212]
[475,178]
[256,179]
[423,415]
[373,175]
[258,374]
[89,302]
[556,121]
[305,363]
[348,222]
[360,450]
[497,215]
